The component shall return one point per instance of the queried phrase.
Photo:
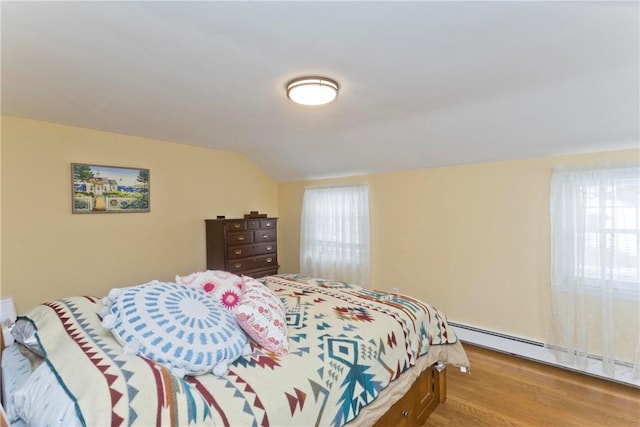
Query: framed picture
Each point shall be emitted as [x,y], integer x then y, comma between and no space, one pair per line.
[108,189]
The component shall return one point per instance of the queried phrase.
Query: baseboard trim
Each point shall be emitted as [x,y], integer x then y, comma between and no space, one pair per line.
[532,350]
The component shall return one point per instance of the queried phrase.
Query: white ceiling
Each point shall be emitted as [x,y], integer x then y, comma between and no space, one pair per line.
[423,83]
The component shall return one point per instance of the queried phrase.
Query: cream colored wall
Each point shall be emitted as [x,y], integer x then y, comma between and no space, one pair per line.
[0,209]
[472,240]
[48,252]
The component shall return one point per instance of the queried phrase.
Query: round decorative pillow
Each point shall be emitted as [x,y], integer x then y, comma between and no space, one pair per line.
[177,326]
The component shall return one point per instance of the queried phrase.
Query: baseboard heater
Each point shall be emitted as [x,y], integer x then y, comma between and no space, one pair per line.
[536,351]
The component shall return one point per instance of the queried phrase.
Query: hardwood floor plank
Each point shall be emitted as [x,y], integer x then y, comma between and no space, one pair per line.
[505,390]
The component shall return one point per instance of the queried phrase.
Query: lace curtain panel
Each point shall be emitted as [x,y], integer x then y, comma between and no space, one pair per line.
[595,279]
[334,235]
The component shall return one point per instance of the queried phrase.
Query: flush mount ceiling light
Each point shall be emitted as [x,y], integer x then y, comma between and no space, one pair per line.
[312,90]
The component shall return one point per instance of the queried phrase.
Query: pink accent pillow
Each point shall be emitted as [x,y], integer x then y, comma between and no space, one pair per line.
[261,315]
[225,288]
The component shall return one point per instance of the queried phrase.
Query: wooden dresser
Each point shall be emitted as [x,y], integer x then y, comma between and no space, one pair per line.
[243,246]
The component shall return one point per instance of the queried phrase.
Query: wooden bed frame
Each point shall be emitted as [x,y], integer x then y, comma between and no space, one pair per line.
[413,409]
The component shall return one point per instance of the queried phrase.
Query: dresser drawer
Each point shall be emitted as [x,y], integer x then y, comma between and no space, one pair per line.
[234,252]
[267,223]
[261,273]
[401,414]
[253,224]
[264,236]
[236,225]
[240,238]
[252,263]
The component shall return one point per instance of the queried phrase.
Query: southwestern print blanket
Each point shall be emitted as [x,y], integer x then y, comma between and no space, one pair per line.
[346,344]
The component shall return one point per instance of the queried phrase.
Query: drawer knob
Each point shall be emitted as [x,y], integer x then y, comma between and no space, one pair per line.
[236,225]
[266,236]
[237,265]
[269,259]
[238,251]
[240,237]
[405,414]
[269,248]
[268,224]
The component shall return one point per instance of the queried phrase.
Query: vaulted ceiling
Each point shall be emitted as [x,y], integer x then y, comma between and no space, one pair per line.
[423,84]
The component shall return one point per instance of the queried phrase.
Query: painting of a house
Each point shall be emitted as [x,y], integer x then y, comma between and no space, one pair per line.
[107,189]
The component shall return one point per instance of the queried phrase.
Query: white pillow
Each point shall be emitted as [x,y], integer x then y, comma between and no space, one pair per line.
[177,326]
[42,401]
[224,287]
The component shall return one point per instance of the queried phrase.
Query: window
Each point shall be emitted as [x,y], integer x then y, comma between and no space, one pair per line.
[595,228]
[334,236]
[595,277]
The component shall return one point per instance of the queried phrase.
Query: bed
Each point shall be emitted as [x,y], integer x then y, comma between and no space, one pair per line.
[355,357]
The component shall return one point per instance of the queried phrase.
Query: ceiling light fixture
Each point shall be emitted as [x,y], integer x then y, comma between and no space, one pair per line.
[312,90]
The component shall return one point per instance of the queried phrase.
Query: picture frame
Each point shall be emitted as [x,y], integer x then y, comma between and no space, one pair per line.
[109,189]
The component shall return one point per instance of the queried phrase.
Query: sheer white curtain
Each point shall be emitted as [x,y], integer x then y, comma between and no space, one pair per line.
[595,280]
[334,233]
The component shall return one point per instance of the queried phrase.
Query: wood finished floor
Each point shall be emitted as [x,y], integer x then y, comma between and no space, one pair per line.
[504,390]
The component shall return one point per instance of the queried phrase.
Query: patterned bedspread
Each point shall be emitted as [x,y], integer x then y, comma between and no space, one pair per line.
[346,344]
